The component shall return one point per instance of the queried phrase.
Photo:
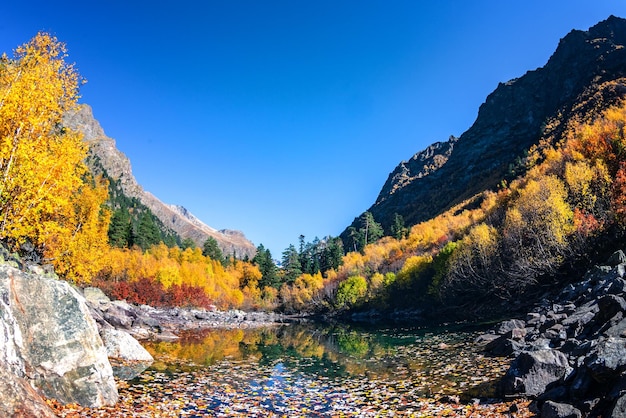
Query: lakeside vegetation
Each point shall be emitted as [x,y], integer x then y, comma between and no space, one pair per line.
[568,196]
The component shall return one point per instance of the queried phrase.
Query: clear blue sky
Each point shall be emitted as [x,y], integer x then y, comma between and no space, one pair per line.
[281,118]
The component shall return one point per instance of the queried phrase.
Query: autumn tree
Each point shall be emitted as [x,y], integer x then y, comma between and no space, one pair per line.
[42,169]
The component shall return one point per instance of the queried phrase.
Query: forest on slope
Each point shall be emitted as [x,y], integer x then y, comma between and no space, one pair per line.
[558,208]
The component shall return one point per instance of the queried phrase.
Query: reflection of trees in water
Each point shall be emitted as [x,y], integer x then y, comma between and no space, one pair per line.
[336,351]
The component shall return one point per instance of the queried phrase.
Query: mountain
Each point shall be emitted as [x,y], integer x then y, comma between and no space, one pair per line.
[174,220]
[513,118]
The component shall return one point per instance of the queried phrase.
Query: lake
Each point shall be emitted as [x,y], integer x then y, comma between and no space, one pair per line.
[314,370]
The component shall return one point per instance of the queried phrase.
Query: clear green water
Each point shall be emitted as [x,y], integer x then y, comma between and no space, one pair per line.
[317,370]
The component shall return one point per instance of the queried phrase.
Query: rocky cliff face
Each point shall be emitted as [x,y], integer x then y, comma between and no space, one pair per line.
[175,218]
[513,118]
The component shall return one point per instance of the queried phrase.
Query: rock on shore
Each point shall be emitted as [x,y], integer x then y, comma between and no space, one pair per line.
[148,323]
[570,352]
[49,340]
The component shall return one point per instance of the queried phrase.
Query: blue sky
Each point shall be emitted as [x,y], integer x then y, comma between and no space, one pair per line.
[281,118]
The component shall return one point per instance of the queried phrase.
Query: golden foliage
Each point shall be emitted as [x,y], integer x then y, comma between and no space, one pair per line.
[45,193]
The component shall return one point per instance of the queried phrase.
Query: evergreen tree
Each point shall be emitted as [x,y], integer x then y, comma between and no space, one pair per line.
[212,250]
[398,230]
[291,264]
[147,232]
[187,243]
[120,229]
[332,255]
[269,272]
[373,231]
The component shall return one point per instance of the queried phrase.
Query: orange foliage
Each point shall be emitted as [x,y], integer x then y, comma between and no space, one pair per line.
[175,274]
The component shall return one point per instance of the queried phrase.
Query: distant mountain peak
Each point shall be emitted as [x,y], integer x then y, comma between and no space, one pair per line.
[175,217]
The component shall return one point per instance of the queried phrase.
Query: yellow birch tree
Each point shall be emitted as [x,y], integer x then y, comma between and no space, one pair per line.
[42,167]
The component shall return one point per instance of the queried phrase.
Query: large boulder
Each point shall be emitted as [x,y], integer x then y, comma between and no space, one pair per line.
[559,410]
[127,356]
[19,399]
[608,359]
[49,339]
[532,372]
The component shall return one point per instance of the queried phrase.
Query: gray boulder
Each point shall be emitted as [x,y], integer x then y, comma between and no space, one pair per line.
[617,258]
[49,339]
[559,410]
[619,408]
[511,324]
[95,296]
[128,358]
[608,359]
[122,346]
[533,371]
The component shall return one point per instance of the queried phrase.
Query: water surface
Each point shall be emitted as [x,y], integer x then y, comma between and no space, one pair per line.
[313,370]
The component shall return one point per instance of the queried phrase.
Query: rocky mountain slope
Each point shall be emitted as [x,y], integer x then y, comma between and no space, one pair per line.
[513,118]
[175,218]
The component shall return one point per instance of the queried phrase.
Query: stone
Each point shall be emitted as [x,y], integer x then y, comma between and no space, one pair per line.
[618,257]
[618,330]
[119,315]
[509,325]
[576,322]
[532,372]
[19,399]
[128,358]
[609,306]
[122,346]
[51,340]
[484,339]
[619,408]
[552,409]
[617,287]
[507,344]
[95,295]
[607,359]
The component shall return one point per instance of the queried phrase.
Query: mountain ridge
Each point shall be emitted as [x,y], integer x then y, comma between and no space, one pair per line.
[117,166]
[512,119]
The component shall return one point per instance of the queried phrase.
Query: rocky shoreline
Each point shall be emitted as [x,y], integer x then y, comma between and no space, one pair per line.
[569,353]
[145,322]
[71,346]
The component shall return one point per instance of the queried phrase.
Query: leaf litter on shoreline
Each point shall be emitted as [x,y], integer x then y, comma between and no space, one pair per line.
[266,377]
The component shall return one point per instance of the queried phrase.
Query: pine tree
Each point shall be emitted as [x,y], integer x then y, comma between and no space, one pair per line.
[291,264]
[120,229]
[269,272]
[146,233]
[212,250]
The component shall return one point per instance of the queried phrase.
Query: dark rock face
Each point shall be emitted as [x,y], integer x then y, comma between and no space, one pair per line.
[570,352]
[49,339]
[512,119]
